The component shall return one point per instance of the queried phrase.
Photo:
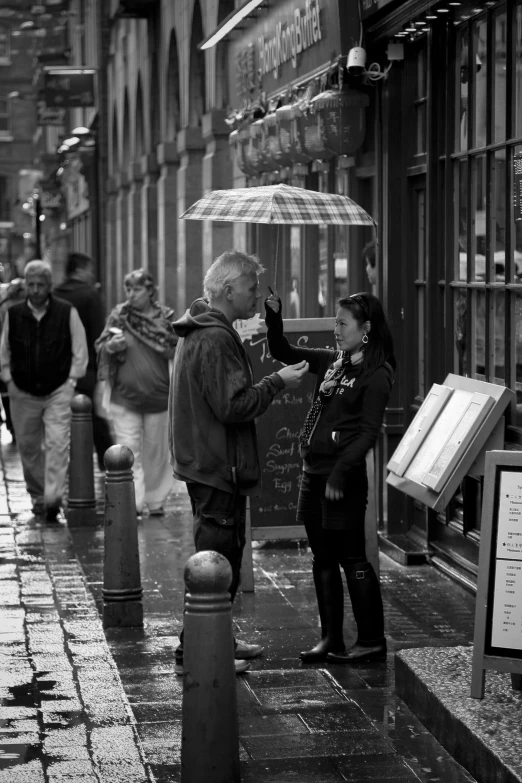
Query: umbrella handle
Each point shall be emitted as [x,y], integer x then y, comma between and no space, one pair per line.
[276,258]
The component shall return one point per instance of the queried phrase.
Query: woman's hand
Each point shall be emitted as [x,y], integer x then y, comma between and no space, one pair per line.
[331,493]
[117,343]
[273,302]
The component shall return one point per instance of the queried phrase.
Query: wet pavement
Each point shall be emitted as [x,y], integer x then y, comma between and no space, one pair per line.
[78,704]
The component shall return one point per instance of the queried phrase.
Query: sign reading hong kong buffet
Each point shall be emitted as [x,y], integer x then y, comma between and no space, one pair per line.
[292,40]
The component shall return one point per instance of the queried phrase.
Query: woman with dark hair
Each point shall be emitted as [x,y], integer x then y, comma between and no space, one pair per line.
[352,390]
[134,351]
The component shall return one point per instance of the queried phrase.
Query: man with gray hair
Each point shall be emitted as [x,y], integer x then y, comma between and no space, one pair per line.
[43,352]
[213,406]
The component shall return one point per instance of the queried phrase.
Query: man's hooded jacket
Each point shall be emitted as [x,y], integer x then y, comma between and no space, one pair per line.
[214,403]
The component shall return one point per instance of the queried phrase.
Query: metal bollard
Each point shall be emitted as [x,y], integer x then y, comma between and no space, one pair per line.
[209,737]
[81,505]
[121,591]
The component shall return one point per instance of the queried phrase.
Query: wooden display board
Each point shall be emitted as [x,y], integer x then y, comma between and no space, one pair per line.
[498,613]
[462,420]
[272,515]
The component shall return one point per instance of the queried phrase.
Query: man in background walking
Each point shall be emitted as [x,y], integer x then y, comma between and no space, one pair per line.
[78,288]
[43,353]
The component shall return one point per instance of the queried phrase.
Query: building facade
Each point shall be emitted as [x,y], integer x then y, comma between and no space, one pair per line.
[426,136]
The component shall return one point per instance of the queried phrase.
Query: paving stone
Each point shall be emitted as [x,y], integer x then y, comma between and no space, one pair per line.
[70,768]
[291,771]
[29,772]
[268,725]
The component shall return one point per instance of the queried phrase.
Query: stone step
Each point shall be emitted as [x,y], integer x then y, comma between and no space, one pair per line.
[483,735]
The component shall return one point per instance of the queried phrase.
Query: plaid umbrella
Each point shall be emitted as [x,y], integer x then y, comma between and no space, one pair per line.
[278,204]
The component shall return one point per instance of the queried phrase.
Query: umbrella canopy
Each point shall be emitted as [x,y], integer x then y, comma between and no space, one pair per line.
[278,204]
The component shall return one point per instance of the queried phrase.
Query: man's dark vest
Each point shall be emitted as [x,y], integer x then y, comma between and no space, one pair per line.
[41,351]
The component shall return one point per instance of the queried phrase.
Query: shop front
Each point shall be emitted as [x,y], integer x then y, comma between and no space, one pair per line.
[299,119]
[449,150]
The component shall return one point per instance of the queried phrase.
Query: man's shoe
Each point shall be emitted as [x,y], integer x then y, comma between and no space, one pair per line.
[38,509]
[241,667]
[244,650]
[360,653]
[51,513]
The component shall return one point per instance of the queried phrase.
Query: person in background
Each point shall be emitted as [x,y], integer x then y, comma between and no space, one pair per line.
[78,289]
[352,390]
[12,293]
[134,351]
[43,353]
[369,259]
[214,403]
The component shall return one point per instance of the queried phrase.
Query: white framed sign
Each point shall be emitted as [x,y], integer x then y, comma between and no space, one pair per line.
[498,614]
[428,412]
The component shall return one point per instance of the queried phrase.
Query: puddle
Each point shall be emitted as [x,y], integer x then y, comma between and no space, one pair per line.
[21,696]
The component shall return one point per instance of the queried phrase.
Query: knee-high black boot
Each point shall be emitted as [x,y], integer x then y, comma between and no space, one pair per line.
[365,594]
[330,600]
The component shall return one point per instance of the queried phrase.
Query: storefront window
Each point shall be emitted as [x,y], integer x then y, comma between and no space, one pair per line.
[479,199]
[421,102]
[461,187]
[480,77]
[294,296]
[499,85]
[498,213]
[516,310]
[517,331]
[488,237]
[517,70]
[322,282]
[462,91]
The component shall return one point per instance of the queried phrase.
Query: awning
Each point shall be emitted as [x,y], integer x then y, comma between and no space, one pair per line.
[232,21]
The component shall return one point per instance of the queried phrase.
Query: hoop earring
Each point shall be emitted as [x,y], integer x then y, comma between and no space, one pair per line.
[365,338]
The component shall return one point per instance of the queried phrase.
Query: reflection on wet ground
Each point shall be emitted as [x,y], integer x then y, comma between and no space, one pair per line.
[297,723]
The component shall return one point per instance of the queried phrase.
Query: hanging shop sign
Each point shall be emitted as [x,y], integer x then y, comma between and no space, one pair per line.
[291,41]
[69,87]
[50,115]
[51,200]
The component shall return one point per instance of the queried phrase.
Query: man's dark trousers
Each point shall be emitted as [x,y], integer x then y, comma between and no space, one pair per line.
[219,526]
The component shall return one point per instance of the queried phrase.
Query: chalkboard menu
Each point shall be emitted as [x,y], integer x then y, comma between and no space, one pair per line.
[278,429]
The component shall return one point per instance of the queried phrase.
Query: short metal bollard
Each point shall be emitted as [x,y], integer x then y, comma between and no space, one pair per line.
[209,738]
[122,605]
[81,505]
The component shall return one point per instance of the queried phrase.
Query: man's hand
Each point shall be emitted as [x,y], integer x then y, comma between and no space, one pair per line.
[331,493]
[293,374]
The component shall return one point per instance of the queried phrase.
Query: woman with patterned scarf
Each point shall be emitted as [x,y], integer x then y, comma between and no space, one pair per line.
[352,390]
[134,351]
